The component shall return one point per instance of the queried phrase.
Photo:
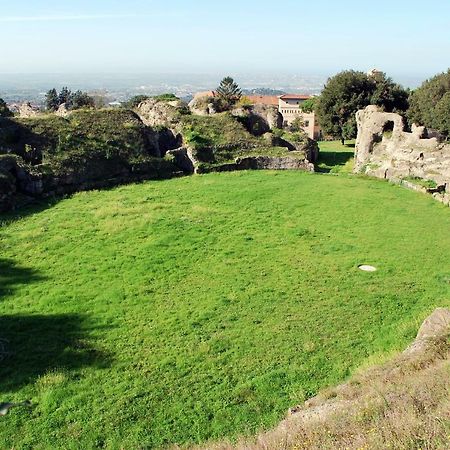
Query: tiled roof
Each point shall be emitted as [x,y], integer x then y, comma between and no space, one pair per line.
[205,94]
[263,99]
[294,97]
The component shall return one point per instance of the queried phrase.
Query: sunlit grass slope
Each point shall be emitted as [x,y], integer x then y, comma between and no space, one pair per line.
[203,307]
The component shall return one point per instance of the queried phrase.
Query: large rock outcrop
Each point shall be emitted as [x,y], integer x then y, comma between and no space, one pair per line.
[296,161]
[259,119]
[385,150]
[204,105]
[62,110]
[26,110]
[17,177]
[301,143]
[156,113]
[163,120]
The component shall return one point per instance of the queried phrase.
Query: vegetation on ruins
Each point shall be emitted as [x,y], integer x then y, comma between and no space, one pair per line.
[167,97]
[89,148]
[347,92]
[234,297]
[430,103]
[134,101]
[221,138]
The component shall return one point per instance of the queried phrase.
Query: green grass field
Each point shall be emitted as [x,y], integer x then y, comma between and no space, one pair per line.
[335,157]
[203,307]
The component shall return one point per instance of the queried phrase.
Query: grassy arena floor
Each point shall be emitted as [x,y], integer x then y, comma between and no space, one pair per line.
[203,307]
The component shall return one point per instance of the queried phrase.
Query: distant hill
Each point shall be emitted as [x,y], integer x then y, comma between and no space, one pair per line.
[263,91]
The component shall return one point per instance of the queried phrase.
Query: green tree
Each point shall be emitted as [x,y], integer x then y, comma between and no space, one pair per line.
[389,95]
[310,104]
[429,103]
[52,100]
[65,96]
[297,125]
[347,92]
[81,99]
[443,114]
[229,92]
[342,96]
[4,110]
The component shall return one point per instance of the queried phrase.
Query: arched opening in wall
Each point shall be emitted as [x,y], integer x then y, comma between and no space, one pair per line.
[406,126]
[388,129]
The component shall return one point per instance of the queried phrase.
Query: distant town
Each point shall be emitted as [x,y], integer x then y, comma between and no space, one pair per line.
[19,88]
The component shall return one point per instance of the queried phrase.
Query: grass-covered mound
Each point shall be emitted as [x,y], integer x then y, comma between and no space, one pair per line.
[204,307]
[336,158]
[89,148]
[110,131]
[221,138]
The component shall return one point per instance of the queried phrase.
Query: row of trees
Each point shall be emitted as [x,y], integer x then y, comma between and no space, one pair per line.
[349,91]
[72,100]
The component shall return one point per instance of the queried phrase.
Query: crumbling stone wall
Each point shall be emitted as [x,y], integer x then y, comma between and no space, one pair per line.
[385,150]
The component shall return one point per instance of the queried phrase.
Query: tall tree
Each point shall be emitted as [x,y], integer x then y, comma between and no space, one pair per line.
[65,96]
[347,92]
[429,104]
[52,100]
[389,95]
[229,92]
[4,110]
[443,115]
[342,96]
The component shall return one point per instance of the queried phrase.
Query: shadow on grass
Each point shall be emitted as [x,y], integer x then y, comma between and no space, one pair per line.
[36,344]
[31,345]
[32,206]
[328,160]
[12,275]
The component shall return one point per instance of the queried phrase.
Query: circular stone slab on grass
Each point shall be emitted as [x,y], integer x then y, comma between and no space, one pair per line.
[367,268]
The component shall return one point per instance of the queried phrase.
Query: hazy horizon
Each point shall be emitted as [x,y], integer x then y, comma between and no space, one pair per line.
[116,86]
[172,37]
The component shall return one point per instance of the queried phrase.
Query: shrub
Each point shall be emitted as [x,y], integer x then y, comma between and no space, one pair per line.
[134,102]
[297,124]
[165,97]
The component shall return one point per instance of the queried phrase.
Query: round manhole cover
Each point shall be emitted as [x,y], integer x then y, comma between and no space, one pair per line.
[367,268]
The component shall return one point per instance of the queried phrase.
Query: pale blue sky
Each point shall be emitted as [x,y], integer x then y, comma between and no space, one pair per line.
[311,37]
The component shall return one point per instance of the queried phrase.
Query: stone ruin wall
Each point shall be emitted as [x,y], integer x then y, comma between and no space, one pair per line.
[384,150]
